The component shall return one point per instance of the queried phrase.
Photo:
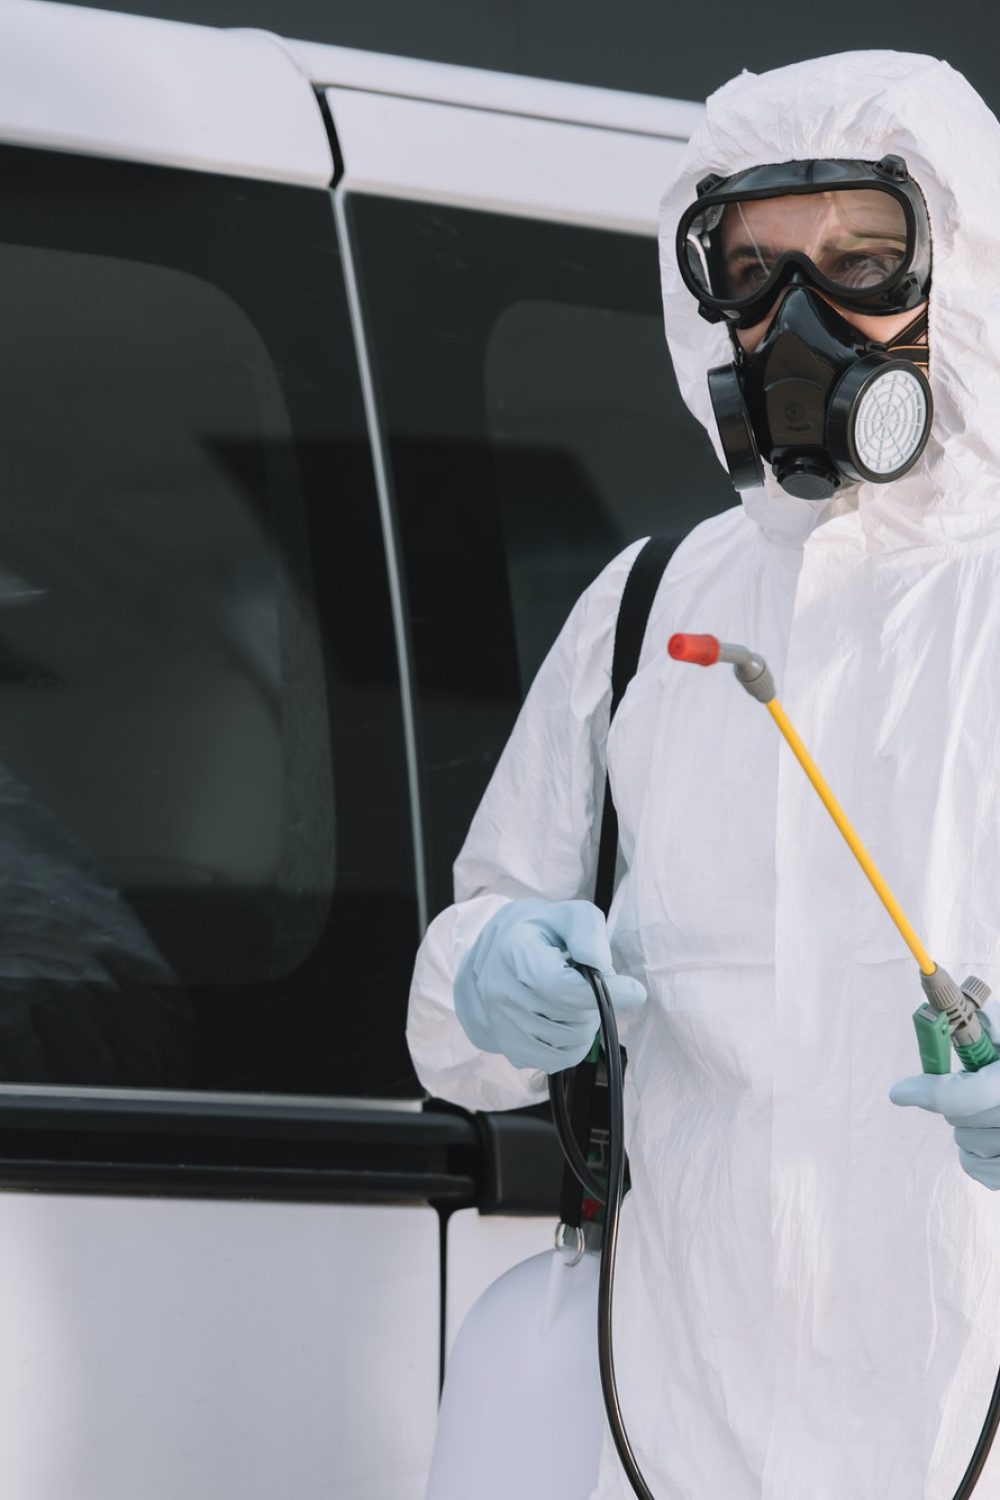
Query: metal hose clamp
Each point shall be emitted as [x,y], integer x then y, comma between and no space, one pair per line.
[571,1237]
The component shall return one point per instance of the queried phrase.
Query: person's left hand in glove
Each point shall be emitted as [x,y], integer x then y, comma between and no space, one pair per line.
[969,1101]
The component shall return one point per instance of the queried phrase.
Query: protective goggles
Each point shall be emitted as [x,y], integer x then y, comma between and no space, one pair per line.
[856,230]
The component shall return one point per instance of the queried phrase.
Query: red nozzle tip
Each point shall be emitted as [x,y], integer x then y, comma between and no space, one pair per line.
[703,650]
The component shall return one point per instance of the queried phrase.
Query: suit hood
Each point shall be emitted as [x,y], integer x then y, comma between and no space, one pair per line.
[864,105]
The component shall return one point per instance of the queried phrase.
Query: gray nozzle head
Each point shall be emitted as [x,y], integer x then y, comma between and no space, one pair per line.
[750,670]
[960,1007]
[976,990]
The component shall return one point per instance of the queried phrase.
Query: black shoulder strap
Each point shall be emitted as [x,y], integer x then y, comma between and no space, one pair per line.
[633,615]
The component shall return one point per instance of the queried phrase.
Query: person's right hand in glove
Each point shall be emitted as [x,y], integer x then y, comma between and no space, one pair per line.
[516,992]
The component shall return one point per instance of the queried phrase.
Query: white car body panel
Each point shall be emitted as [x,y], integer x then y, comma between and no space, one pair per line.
[508,163]
[504,93]
[76,79]
[156,1348]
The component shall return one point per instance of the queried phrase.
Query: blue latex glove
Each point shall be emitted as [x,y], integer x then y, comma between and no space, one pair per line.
[516,994]
[970,1102]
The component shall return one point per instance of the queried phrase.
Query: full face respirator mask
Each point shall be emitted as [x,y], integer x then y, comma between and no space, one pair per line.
[817,400]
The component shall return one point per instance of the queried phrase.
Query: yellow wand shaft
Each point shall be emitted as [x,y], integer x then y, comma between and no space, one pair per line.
[857,848]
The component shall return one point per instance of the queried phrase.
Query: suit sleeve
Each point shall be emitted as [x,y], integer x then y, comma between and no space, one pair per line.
[535,833]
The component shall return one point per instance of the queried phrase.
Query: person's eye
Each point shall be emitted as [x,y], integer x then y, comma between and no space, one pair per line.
[747,277]
[863,268]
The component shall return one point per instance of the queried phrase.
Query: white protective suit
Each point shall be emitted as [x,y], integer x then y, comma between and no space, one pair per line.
[808,1294]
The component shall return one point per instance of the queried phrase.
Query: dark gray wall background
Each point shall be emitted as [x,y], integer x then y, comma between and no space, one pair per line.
[680,50]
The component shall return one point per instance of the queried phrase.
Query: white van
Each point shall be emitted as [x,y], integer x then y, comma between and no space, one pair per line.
[329,379]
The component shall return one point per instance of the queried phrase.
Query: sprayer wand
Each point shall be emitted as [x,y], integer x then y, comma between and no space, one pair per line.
[950,1019]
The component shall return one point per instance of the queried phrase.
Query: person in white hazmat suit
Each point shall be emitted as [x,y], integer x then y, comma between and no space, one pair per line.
[808,1297]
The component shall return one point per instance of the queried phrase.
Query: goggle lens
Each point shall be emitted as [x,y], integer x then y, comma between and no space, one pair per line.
[855,238]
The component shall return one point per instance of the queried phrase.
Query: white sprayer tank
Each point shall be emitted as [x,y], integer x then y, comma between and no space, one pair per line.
[521,1412]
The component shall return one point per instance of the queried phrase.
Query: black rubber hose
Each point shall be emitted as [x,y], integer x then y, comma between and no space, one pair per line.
[982,1452]
[609,1248]
[575,1159]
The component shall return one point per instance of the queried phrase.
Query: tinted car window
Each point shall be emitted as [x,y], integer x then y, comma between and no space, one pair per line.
[534,429]
[204,826]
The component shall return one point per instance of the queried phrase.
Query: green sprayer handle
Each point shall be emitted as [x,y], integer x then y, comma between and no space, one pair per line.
[952,1022]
